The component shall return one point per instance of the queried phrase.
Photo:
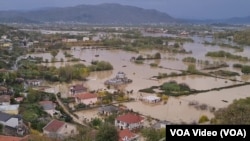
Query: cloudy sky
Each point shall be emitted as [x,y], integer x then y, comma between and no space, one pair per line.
[191,9]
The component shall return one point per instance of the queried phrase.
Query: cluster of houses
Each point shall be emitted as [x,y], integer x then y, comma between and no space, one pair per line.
[128,123]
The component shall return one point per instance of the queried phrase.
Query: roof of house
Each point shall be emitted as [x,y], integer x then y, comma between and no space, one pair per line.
[47,105]
[2,88]
[4,98]
[12,138]
[130,118]
[5,117]
[19,99]
[86,96]
[160,124]
[3,70]
[109,108]
[126,134]
[78,87]
[54,125]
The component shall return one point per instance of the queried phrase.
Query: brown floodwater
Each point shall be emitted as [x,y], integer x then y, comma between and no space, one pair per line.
[176,109]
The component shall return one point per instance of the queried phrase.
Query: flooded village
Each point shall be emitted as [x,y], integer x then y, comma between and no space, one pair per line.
[132,77]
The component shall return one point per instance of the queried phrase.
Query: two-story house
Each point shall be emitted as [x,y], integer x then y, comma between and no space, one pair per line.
[129,121]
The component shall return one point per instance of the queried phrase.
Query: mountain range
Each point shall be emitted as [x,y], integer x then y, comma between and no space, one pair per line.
[92,14]
[102,14]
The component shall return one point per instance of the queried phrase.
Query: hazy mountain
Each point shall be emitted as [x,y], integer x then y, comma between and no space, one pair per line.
[229,21]
[95,14]
[239,20]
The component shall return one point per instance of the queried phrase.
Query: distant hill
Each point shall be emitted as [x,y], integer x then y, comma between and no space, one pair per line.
[239,20]
[222,22]
[92,14]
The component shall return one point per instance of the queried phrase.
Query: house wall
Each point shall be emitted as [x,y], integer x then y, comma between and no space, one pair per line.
[131,126]
[68,130]
[5,103]
[51,112]
[87,101]
[12,112]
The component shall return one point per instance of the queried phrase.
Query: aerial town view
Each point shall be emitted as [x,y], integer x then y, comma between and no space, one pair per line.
[106,70]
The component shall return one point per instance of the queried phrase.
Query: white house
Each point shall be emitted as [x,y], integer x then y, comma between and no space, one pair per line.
[33,82]
[151,99]
[85,39]
[69,40]
[86,98]
[59,129]
[10,109]
[129,121]
[4,36]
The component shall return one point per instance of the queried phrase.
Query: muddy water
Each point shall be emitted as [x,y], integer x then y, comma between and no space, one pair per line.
[141,73]
[178,109]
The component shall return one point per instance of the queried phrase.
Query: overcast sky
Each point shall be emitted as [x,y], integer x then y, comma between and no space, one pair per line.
[191,9]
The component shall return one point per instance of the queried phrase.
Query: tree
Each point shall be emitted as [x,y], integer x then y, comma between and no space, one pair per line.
[191,68]
[96,122]
[152,134]
[107,132]
[236,113]
[176,45]
[157,55]
[54,53]
[245,69]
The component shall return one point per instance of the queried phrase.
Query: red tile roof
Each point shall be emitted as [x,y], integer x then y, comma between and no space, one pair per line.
[130,118]
[54,126]
[12,138]
[86,96]
[126,133]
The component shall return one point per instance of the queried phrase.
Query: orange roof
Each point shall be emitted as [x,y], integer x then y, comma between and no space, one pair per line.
[130,118]
[86,96]
[12,138]
[126,133]
[54,126]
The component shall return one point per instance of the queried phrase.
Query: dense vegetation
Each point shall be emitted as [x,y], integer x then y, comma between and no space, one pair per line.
[226,55]
[30,70]
[174,88]
[240,37]
[152,134]
[236,113]
[189,59]
[224,73]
